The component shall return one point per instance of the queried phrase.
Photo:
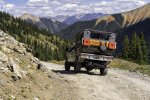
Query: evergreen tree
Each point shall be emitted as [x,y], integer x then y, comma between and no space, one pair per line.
[144,48]
[139,52]
[126,48]
[133,46]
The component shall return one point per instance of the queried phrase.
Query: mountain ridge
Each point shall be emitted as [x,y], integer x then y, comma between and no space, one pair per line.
[108,23]
[44,23]
[82,17]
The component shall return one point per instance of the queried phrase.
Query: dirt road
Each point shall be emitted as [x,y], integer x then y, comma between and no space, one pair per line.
[117,85]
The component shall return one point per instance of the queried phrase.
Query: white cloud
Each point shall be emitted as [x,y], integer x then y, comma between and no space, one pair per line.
[116,6]
[8,6]
[37,3]
[71,7]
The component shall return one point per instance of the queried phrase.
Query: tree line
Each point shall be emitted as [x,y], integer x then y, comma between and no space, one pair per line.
[135,49]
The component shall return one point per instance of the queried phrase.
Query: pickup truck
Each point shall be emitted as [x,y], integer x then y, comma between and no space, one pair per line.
[92,50]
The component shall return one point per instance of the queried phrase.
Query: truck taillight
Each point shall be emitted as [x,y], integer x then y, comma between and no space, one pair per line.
[86,42]
[112,45]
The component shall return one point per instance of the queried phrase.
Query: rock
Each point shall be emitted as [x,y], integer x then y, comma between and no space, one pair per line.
[15,68]
[3,57]
[11,41]
[36,98]
[2,33]
[137,89]
[50,76]
[4,69]
[21,45]
[14,78]
[6,50]
[12,97]
[17,60]
[29,49]
[23,73]
[1,82]
[40,66]
[19,50]
[116,76]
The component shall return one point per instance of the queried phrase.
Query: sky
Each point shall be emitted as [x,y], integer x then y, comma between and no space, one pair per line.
[47,8]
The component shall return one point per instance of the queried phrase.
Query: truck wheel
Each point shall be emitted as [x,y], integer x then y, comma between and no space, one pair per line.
[103,71]
[77,65]
[67,66]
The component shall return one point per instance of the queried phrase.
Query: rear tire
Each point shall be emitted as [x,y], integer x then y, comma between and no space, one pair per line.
[77,65]
[103,71]
[67,66]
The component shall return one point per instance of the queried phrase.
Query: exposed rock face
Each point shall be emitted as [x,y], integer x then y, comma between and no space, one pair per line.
[14,57]
[44,23]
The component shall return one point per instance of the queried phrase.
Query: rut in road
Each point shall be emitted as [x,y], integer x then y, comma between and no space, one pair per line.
[117,85]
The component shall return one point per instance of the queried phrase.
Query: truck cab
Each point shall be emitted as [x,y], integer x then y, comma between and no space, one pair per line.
[92,50]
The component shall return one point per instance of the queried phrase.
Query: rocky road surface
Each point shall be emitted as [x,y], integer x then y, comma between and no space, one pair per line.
[117,85]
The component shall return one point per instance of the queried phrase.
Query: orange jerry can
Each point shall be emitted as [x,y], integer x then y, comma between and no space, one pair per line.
[112,45]
[86,42]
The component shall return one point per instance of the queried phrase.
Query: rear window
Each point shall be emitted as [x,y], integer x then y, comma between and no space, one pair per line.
[100,36]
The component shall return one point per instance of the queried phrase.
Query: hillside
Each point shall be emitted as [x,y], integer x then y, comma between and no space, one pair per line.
[44,23]
[24,77]
[109,23]
[82,17]
[43,44]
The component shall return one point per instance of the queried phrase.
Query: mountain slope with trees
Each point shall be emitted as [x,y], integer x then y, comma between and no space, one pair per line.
[138,28]
[44,45]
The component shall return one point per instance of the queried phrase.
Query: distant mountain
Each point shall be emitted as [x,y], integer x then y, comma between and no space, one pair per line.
[82,17]
[44,23]
[109,23]
[60,18]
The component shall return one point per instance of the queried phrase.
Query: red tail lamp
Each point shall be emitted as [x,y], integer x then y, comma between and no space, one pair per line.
[86,42]
[112,45]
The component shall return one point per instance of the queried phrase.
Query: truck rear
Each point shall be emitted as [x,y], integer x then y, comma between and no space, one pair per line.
[93,50]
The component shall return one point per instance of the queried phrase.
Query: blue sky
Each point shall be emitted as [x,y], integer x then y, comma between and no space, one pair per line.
[16,2]
[68,7]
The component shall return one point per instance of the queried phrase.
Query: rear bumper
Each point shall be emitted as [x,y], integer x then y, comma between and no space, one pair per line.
[96,57]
